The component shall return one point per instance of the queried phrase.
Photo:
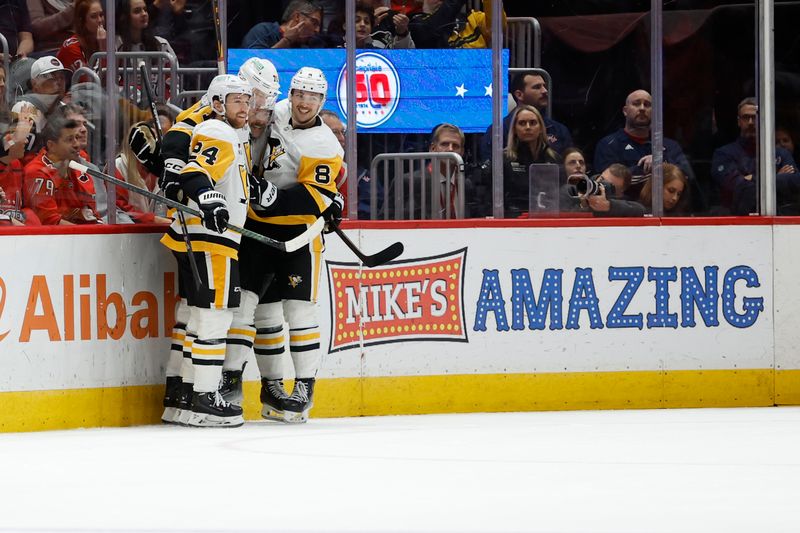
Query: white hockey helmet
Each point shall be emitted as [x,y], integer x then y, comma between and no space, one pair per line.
[223,85]
[262,76]
[311,80]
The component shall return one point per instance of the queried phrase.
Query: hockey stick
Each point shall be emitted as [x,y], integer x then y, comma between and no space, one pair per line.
[218,32]
[285,246]
[148,89]
[384,256]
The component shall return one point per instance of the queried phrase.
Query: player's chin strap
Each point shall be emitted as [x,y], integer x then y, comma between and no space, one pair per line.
[296,243]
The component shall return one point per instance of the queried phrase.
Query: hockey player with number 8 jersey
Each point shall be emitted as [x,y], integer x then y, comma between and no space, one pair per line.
[299,186]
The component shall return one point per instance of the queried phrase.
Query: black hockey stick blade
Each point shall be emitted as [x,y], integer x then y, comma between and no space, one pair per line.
[377,259]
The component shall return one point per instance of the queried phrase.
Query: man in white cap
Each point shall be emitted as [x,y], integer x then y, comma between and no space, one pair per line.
[48,93]
[48,86]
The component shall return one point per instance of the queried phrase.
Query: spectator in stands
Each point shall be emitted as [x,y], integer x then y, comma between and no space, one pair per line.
[15,25]
[399,37]
[529,87]
[608,198]
[89,36]
[675,194]
[51,21]
[439,25]
[631,144]
[168,18]
[527,144]
[302,21]
[75,113]
[390,25]
[48,93]
[11,169]
[57,193]
[434,24]
[133,29]
[574,161]
[449,138]
[784,139]
[734,168]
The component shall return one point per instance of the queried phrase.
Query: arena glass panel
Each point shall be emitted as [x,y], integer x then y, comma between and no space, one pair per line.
[787,108]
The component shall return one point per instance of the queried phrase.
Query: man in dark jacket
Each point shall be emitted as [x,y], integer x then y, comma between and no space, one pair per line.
[734,168]
[632,145]
[529,87]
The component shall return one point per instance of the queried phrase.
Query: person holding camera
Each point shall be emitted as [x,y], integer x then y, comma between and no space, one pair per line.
[603,195]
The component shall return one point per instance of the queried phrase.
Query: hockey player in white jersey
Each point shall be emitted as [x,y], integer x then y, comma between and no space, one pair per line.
[214,180]
[263,79]
[304,160]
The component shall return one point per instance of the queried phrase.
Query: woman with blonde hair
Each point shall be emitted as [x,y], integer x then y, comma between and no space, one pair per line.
[527,144]
[131,167]
[675,195]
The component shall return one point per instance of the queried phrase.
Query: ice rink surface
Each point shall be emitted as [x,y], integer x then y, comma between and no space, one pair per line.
[709,470]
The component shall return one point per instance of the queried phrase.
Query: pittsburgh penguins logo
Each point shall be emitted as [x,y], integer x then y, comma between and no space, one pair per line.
[275,151]
[295,280]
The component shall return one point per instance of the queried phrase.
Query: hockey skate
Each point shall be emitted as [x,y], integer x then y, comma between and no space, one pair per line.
[172,396]
[300,402]
[231,386]
[184,410]
[273,398]
[209,409]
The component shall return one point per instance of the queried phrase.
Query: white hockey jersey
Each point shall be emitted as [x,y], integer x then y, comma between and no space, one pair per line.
[311,155]
[218,151]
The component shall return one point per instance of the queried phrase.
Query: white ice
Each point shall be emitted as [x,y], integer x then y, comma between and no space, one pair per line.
[703,470]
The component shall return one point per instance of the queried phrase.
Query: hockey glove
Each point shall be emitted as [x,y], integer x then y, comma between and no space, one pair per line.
[170,182]
[333,215]
[215,210]
[146,148]
[263,192]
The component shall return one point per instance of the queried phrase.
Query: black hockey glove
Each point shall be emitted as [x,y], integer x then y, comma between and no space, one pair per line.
[170,182]
[215,210]
[263,193]
[333,215]
[146,148]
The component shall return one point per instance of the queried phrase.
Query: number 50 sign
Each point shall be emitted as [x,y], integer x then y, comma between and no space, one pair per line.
[377,90]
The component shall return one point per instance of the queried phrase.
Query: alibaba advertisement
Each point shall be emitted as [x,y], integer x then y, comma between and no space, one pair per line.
[398,91]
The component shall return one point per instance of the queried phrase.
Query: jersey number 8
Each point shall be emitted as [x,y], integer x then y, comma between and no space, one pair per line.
[323,174]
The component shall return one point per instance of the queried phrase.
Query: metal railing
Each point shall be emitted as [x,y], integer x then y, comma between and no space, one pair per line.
[523,37]
[85,71]
[424,185]
[157,63]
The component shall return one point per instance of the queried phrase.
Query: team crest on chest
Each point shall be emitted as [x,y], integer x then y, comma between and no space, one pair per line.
[295,280]
[275,151]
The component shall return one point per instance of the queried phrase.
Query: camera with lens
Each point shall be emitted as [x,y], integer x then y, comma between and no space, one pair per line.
[581,186]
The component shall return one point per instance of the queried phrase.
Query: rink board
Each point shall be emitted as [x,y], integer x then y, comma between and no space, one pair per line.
[539,316]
